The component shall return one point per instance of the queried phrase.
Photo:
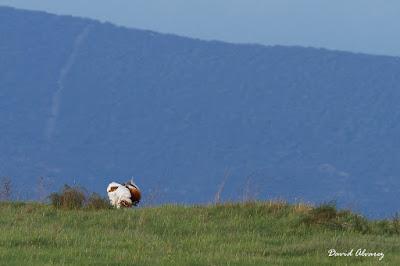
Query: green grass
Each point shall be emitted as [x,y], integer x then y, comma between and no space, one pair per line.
[261,233]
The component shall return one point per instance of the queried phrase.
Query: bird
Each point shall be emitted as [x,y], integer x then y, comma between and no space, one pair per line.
[124,195]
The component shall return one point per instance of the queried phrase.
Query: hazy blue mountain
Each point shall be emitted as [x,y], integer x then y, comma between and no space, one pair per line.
[88,102]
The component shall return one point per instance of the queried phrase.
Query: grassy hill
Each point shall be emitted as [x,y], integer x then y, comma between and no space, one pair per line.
[257,233]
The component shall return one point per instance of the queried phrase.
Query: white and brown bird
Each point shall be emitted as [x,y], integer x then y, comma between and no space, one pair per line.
[124,195]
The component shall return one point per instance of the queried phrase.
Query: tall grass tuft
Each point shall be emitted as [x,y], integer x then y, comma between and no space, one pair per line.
[396,223]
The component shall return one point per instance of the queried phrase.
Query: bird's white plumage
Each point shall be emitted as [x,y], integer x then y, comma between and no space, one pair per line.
[117,193]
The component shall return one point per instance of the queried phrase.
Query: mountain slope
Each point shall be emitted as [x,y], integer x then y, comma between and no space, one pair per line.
[87,102]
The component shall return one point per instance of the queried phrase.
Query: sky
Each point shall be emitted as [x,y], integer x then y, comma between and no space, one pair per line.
[366,26]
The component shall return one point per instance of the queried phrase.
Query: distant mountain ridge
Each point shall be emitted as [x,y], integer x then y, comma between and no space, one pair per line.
[89,102]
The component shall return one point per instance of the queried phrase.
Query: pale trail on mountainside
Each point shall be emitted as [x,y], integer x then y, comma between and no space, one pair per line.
[56,98]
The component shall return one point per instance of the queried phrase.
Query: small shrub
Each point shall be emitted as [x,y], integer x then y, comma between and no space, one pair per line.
[73,198]
[70,198]
[325,214]
[5,189]
[55,200]
[96,202]
[328,216]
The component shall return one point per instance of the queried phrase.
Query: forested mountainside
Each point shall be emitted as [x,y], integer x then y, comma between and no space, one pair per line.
[87,102]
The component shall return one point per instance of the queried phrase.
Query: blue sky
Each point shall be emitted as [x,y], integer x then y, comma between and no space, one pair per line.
[368,26]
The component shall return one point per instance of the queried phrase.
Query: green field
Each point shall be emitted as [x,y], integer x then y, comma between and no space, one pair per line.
[260,233]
